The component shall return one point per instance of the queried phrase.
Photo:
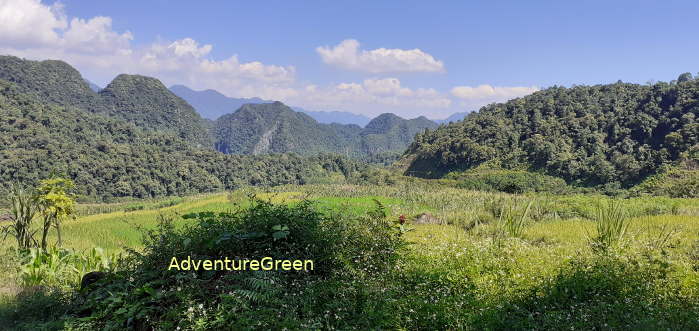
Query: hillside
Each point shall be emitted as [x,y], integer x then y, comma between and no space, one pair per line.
[146,102]
[276,128]
[388,132]
[613,134]
[50,81]
[138,144]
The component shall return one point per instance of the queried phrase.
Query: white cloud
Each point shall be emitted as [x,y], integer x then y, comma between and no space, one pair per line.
[347,55]
[375,96]
[29,23]
[33,30]
[189,47]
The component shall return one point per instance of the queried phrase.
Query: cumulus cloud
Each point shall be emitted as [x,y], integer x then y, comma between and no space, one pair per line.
[475,97]
[375,96]
[30,23]
[347,55]
[490,92]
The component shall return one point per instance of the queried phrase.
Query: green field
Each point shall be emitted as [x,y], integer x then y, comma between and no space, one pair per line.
[461,251]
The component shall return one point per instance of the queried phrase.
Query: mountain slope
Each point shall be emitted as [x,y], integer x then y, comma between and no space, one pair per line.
[614,134]
[50,81]
[388,132]
[126,142]
[276,128]
[146,102]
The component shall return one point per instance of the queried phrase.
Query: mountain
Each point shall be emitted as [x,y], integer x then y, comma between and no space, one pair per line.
[118,143]
[50,81]
[277,128]
[615,134]
[339,117]
[388,132]
[212,104]
[146,102]
[453,118]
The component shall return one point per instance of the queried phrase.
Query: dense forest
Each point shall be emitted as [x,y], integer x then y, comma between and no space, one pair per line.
[47,128]
[276,128]
[615,134]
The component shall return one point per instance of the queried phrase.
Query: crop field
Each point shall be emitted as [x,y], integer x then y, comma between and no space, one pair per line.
[471,259]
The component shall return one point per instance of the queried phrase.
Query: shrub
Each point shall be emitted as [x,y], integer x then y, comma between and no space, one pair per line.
[510,181]
[349,255]
[606,292]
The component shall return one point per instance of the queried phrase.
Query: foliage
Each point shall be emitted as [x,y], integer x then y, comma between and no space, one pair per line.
[147,295]
[23,208]
[509,181]
[587,135]
[63,268]
[56,203]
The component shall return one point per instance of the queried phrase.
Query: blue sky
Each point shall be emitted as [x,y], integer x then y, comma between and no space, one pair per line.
[407,57]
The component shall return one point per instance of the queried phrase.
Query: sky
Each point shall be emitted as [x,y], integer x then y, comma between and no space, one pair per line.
[407,57]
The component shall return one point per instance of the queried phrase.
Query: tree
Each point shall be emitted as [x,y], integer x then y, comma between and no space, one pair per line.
[685,77]
[56,203]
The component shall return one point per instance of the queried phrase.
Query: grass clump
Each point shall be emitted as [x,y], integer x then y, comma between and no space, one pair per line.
[611,222]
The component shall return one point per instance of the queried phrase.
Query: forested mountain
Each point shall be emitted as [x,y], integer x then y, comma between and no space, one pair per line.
[211,104]
[587,135]
[50,81]
[146,102]
[109,149]
[276,128]
[388,132]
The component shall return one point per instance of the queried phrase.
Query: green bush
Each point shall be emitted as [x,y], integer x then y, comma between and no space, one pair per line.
[510,181]
[600,292]
[349,257]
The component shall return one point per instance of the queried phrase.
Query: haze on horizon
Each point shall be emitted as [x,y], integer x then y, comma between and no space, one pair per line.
[407,57]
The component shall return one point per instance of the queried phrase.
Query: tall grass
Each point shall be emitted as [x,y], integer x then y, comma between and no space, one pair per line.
[23,209]
[611,222]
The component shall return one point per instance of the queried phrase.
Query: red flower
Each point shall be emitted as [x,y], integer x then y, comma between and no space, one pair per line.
[401,219]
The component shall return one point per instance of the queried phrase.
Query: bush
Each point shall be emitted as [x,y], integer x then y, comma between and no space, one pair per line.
[349,255]
[510,181]
[601,292]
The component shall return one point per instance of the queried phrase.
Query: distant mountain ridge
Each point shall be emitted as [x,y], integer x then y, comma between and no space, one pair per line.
[212,104]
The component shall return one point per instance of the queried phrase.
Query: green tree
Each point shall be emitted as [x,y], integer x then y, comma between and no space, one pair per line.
[56,203]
